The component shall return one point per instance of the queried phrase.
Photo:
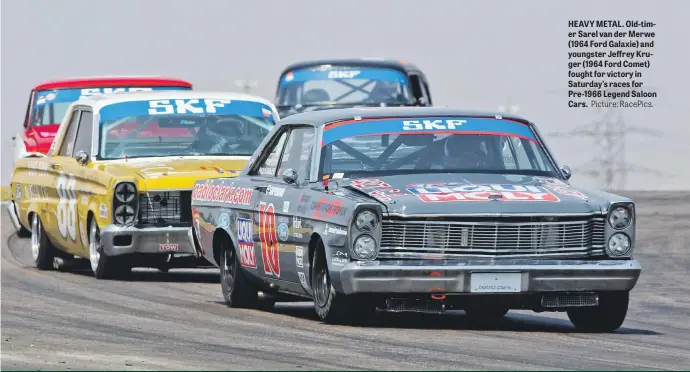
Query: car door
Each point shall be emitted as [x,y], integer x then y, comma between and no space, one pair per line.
[79,182]
[266,208]
[56,217]
[294,233]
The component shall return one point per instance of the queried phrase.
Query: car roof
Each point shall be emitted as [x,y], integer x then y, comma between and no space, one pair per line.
[323,117]
[359,62]
[101,100]
[112,81]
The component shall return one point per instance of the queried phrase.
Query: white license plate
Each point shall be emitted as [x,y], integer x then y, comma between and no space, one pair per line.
[495,282]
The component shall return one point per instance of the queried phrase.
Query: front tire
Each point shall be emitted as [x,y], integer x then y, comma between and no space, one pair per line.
[607,317]
[42,250]
[238,290]
[333,307]
[102,265]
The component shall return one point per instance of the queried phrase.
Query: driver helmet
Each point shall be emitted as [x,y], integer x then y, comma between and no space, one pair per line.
[384,90]
[462,151]
[222,128]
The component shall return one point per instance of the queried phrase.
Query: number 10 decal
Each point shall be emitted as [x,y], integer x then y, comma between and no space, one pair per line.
[269,239]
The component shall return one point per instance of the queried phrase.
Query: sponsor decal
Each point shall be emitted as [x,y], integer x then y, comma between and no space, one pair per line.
[337,176]
[103,210]
[275,191]
[168,247]
[334,230]
[221,193]
[432,124]
[266,113]
[342,74]
[18,193]
[283,231]
[299,256]
[97,91]
[286,206]
[296,223]
[245,242]
[37,168]
[325,209]
[560,187]
[269,239]
[340,258]
[303,280]
[35,192]
[224,221]
[297,235]
[368,183]
[482,192]
[303,204]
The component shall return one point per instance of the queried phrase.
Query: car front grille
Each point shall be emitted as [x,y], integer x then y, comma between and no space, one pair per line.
[567,237]
[165,208]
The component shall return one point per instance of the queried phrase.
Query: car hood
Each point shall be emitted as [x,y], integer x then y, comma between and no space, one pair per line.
[287,111]
[177,173]
[491,194]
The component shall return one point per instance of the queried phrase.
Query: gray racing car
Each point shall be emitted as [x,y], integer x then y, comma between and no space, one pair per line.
[416,209]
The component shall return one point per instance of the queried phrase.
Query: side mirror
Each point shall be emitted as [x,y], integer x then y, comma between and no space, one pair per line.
[565,170]
[82,157]
[290,176]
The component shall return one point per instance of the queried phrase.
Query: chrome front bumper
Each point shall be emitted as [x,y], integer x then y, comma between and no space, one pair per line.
[146,240]
[429,276]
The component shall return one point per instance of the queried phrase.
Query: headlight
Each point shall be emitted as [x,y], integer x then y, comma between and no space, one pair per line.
[124,214]
[366,220]
[365,247]
[620,217]
[125,192]
[619,245]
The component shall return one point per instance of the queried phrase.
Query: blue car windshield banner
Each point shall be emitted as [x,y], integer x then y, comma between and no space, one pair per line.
[71,95]
[198,106]
[431,125]
[380,74]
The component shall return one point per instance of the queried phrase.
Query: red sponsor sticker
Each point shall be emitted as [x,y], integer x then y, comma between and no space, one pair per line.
[369,183]
[168,247]
[464,192]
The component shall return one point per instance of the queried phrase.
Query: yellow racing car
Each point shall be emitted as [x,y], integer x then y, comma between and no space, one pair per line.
[116,185]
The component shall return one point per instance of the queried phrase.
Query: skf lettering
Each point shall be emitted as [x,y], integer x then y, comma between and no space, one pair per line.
[432,124]
[96,91]
[325,209]
[342,74]
[186,106]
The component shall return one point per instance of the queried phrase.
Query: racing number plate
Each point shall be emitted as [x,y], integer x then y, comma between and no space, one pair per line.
[495,282]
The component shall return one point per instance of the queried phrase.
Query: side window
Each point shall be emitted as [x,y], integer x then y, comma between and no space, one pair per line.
[297,153]
[269,166]
[515,155]
[416,87]
[84,134]
[68,141]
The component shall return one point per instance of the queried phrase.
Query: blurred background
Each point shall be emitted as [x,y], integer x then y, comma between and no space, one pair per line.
[508,55]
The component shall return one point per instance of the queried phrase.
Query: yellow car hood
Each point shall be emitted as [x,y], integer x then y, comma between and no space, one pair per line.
[179,173]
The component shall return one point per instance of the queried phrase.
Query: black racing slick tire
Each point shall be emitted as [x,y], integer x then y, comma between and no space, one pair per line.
[333,307]
[42,250]
[102,265]
[238,290]
[608,316]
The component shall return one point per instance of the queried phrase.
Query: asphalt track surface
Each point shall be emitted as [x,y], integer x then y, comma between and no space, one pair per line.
[61,320]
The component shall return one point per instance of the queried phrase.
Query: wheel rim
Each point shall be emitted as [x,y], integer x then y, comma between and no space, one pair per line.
[94,247]
[228,270]
[35,237]
[322,286]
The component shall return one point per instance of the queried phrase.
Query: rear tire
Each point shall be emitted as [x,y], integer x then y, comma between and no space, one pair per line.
[333,307]
[238,290]
[607,317]
[43,251]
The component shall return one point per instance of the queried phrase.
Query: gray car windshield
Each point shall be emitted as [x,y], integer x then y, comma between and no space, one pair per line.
[509,149]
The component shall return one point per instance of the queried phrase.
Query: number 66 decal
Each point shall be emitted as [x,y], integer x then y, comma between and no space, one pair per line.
[269,239]
[67,205]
